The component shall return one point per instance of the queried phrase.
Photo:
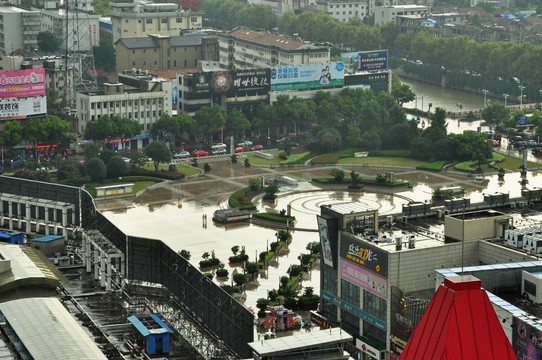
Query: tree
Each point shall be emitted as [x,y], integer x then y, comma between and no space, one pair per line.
[295,270]
[479,157]
[68,169]
[395,137]
[101,7]
[210,119]
[463,146]
[353,136]
[271,190]
[309,291]
[286,145]
[116,167]
[185,254]
[402,93]
[284,281]
[355,178]
[47,42]
[165,125]
[92,151]
[104,56]
[158,152]
[337,174]
[239,279]
[262,303]
[235,250]
[420,148]
[138,159]
[12,134]
[237,121]
[95,168]
[370,141]
[329,139]
[56,100]
[56,130]
[495,114]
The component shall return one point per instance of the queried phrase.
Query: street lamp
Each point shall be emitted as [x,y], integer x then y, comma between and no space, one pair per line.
[505,97]
[485,91]
[521,87]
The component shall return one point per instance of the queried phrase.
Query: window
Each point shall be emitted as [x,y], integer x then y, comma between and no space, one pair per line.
[350,293]
[133,63]
[194,19]
[92,105]
[330,281]
[163,21]
[148,21]
[154,50]
[139,21]
[179,20]
[126,21]
[374,305]
[133,51]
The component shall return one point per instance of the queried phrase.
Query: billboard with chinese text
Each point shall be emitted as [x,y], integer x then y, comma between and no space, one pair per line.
[365,60]
[307,76]
[363,254]
[363,278]
[23,107]
[22,83]
[240,82]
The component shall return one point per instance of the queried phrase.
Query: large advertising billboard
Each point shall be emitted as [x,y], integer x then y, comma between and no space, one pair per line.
[240,82]
[527,341]
[325,244]
[22,83]
[361,253]
[365,61]
[307,76]
[377,82]
[363,278]
[23,107]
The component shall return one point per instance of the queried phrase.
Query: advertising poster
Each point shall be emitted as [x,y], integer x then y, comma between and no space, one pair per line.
[363,254]
[240,82]
[527,341]
[307,76]
[23,107]
[324,241]
[373,283]
[365,61]
[22,83]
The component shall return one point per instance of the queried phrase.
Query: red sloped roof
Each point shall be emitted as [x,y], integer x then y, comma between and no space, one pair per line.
[459,323]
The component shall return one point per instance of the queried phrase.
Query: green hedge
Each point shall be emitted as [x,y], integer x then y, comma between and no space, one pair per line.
[274,217]
[235,202]
[434,166]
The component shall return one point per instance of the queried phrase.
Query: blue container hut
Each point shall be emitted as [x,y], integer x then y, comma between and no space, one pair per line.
[154,332]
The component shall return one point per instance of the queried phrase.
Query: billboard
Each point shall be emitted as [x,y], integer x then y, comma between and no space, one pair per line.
[307,76]
[365,60]
[23,107]
[22,83]
[240,82]
[527,340]
[363,278]
[363,254]
[324,240]
[377,82]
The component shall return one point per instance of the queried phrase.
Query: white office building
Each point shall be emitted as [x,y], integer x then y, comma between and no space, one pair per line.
[19,29]
[386,14]
[346,10]
[79,38]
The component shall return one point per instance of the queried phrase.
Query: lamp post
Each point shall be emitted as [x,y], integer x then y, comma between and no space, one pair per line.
[485,91]
[505,97]
[521,87]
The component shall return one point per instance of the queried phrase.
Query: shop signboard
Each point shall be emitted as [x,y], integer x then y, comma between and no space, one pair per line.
[363,254]
[365,60]
[22,83]
[20,108]
[307,76]
[240,82]
[370,350]
[363,278]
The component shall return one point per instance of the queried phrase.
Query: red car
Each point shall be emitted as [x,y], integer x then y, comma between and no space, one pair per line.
[200,153]
[256,147]
[239,149]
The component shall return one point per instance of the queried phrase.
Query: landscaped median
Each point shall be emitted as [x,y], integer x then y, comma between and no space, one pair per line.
[500,160]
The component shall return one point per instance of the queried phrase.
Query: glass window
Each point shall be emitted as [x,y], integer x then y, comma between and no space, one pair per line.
[349,322]
[194,19]
[350,293]
[330,281]
[163,20]
[179,20]
[371,331]
[374,305]
[148,21]
[329,310]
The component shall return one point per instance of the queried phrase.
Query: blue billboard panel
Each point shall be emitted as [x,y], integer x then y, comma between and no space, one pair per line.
[365,60]
[307,76]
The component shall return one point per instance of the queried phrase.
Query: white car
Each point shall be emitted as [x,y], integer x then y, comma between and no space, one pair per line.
[181,155]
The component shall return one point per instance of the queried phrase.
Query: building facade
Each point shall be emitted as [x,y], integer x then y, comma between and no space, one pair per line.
[346,10]
[138,96]
[54,21]
[246,49]
[19,29]
[140,19]
[386,14]
[163,52]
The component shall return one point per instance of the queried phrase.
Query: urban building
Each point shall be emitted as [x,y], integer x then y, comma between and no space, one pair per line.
[245,49]
[142,18]
[386,14]
[138,95]
[283,6]
[367,270]
[345,10]
[54,21]
[106,30]
[19,29]
[163,52]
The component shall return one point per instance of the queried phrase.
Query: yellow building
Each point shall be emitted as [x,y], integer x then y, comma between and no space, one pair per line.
[139,19]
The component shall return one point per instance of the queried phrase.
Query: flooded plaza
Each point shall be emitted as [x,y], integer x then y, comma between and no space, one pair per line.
[174,212]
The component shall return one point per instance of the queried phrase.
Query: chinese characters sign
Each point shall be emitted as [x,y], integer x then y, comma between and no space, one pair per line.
[363,278]
[307,76]
[22,83]
[240,82]
[21,108]
[365,61]
[364,254]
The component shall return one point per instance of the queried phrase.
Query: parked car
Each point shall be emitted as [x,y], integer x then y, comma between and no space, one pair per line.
[181,155]
[256,147]
[218,146]
[245,143]
[200,153]
[239,149]
[494,143]
[218,151]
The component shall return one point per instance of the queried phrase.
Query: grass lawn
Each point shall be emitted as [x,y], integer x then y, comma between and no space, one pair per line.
[292,159]
[187,170]
[508,163]
[138,186]
[385,161]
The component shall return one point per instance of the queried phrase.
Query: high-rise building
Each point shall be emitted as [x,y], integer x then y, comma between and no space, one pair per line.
[19,29]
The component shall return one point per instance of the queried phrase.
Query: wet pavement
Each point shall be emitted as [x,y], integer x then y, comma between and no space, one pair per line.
[159,213]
